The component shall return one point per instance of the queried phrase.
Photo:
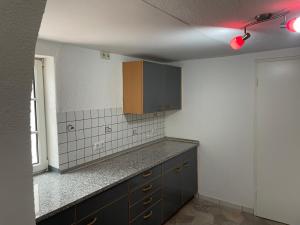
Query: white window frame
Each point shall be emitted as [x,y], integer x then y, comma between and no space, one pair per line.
[42,164]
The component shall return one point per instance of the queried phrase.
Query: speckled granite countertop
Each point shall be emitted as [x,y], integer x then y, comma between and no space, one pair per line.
[54,192]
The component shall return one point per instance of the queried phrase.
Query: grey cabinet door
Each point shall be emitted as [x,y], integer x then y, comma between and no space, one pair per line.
[171,193]
[66,217]
[116,213]
[172,90]
[154,87]
[189,183]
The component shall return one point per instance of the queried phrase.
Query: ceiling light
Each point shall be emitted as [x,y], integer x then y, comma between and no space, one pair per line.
[238,42]
[293,25]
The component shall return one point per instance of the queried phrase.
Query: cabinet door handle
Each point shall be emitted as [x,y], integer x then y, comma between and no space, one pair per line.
[149,173]
[186,164]
[148,215]
[93,221]
[147,202]
[178,169]
[147,188]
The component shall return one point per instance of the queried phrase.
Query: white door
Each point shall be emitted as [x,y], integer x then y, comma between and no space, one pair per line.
[278,140]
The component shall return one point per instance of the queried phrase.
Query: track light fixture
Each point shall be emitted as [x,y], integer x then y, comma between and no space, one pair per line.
[238,42]
[293,25]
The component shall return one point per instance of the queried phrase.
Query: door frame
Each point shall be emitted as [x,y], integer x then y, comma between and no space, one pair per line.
[257,61]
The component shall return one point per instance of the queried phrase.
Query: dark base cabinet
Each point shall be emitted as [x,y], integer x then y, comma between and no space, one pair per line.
[115,213]
[189,176]
[149,198]
[171,192]
[150,217]
[180,182]
[66,217]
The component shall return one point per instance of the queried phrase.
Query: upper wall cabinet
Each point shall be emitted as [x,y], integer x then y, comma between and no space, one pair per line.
[150,87]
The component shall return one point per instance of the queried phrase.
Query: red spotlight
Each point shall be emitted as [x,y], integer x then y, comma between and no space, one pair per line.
[237,42]
[293,25]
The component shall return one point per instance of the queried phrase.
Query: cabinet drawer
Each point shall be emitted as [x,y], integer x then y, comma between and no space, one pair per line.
[190,156]
[66,217]
[145,190]
[145,177]
[95,203]
[94,219]
[151,216]
[114,213]
[145,204]
[172,163]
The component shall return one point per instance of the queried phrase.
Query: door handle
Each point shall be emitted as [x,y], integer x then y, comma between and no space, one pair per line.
[147,174]
[148,215]
[186,164]
[147,188]
[93,221]
[148,201]
[178,169]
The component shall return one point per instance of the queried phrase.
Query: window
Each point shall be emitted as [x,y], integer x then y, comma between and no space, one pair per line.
[37,120]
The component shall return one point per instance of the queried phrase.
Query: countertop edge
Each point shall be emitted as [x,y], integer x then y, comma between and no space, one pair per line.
[137,148]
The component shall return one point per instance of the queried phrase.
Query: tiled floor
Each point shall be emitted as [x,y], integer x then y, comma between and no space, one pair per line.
[200,212]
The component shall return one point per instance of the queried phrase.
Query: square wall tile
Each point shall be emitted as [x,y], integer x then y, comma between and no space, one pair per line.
[94,113]
[70,116]
[63,148]
[61,117]
[79,124]
[61,128]
[72,146]
[79,115]
[87,114]
[87,123]
[62,138]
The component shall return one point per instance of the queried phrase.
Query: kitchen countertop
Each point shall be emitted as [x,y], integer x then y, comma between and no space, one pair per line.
[54,192]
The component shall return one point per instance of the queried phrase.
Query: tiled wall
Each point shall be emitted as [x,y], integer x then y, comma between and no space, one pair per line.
[88,135]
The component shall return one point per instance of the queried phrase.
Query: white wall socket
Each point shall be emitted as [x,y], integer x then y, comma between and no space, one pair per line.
[105,55]
[98,145]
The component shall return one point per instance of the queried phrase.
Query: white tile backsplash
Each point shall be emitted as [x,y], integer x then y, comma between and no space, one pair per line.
[87,114]
[61,117]
[89,141]
[70,116]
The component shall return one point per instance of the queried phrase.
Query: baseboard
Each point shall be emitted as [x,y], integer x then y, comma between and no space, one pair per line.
[226,204]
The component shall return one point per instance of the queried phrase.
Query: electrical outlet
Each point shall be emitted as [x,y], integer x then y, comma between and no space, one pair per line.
[108,130]
[98,145]
[135,132]
[105,55]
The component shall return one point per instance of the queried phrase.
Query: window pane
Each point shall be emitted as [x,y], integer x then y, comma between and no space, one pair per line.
[32,116]
[32,90]
[34,148]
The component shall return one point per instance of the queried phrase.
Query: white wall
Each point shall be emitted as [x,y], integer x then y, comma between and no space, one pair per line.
[218,110]
[20,21]
[83,79]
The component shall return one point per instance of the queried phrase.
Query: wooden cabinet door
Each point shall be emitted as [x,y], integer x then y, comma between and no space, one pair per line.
[153,87]
[172,90]
[171,192]
[189,183]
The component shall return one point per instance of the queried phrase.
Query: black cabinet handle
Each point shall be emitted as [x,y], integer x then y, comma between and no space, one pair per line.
[93,221]
[147,188]
[186,164]
[147,174]
[178,169]
[148,215]
[147,202]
